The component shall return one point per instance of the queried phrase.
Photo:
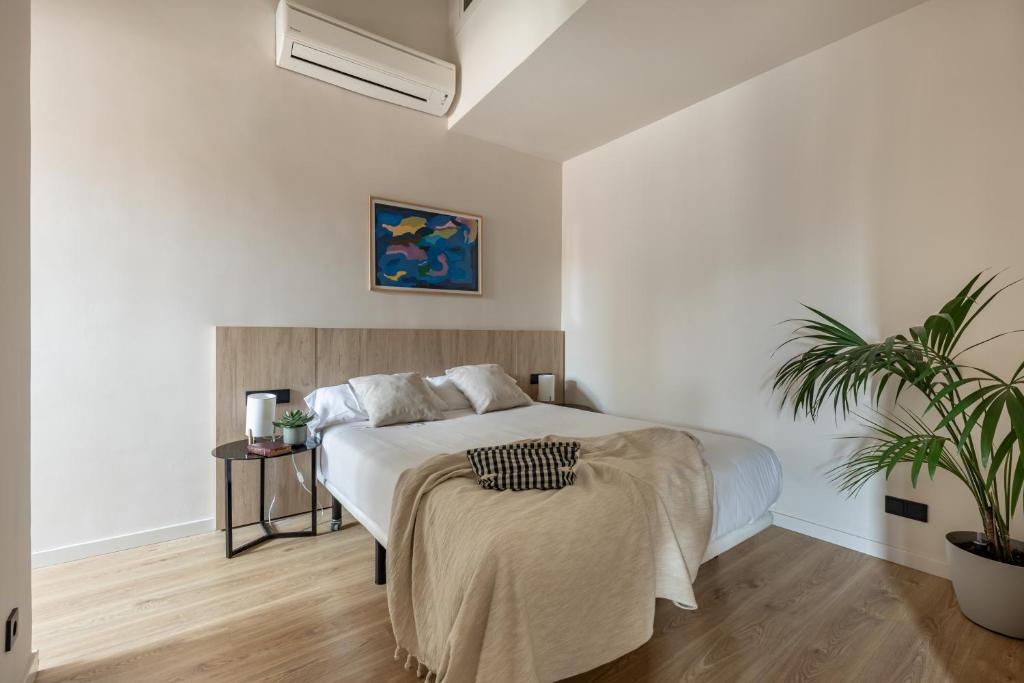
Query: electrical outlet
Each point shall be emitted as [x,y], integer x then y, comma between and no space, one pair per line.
[906,508]
[11,630]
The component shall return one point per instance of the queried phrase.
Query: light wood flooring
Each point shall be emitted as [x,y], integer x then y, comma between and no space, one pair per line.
[780,607]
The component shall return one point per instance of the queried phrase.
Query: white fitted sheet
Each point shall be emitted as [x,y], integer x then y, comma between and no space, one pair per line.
[361,464]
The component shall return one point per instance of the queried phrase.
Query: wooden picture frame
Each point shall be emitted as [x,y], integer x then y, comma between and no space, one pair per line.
[424,250]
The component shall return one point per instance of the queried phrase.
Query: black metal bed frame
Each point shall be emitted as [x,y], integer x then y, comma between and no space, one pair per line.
[380,553]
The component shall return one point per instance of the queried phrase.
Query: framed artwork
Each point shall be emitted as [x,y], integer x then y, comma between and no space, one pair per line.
[425,250]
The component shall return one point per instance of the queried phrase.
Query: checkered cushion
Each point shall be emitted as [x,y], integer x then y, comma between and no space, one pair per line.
[530,465]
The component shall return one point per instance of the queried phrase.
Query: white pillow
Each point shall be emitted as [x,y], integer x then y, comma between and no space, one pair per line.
[488,387]
[394,399]
[449,394]
[332,406]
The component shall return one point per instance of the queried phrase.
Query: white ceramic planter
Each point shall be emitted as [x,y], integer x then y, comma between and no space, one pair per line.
[990,593]
[294,436]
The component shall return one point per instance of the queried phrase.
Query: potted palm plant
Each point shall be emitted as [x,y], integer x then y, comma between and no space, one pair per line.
[970,423]
[293,426]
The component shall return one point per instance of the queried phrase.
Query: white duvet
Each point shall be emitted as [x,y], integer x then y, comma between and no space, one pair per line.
[361,464]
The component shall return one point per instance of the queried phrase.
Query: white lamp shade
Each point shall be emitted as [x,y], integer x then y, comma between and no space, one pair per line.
[546,388]
[259,414]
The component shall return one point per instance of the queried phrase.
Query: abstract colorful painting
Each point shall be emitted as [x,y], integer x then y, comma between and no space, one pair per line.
[419,249]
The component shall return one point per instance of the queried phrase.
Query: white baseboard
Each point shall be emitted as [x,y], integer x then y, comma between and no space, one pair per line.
[33,667]
[861,544]
[78,551]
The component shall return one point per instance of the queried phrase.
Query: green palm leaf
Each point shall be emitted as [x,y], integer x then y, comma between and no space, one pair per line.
[976,427]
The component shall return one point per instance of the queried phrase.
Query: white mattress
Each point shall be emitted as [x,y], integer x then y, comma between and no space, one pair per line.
[361,464]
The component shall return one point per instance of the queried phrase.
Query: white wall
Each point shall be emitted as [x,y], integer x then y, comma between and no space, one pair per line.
[493,37]
[870,178]
[615,66]
[182,181]
[15,139]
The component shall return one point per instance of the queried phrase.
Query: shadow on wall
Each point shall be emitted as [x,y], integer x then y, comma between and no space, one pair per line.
[575,394]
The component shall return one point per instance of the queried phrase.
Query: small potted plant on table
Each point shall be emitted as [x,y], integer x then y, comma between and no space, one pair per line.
[293,425]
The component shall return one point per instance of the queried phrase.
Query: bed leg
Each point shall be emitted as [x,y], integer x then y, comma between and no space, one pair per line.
[335,514]
[380,564]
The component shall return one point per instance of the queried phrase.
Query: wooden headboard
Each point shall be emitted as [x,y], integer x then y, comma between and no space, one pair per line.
[303,358]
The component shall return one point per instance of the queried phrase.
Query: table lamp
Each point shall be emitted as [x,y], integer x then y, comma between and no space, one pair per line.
[546,388]
[259,415]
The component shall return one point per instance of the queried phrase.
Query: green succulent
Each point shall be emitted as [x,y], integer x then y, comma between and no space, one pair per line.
[293,418]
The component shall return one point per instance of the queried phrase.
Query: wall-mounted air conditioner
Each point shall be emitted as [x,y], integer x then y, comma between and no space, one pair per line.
[330,50]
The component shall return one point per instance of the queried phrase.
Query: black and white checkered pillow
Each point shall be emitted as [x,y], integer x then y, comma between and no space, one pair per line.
[532,465]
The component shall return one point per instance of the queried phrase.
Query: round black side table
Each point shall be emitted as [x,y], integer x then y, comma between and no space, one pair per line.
[236,450]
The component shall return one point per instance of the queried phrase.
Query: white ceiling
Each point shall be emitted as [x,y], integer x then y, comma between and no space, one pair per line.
[617,65]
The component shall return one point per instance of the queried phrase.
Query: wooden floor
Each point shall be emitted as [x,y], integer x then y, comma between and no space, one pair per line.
[778,607]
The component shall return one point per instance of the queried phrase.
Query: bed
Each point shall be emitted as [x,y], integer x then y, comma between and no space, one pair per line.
[360,465]
[646,500]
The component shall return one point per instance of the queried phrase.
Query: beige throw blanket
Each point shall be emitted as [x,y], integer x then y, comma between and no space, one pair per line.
[541,585]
